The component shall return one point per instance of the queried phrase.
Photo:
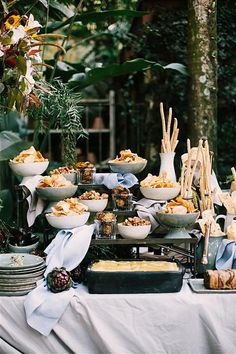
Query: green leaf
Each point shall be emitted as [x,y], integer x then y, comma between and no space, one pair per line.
[44,2]
[88,17]
[21,64]
[11,145]
[62,8]
[110,71]
[178,67]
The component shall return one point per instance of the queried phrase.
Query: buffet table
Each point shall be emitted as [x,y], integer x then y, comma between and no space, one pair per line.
[175,323]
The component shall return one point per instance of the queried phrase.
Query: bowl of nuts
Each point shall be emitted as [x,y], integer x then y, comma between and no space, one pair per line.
[94,200]
[105,225]
[86,172]
[134,228]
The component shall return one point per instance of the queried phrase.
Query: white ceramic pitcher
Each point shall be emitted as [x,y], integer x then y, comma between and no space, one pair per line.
[228,218]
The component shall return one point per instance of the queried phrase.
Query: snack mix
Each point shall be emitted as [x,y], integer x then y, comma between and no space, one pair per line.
[127,156]
[69,206]
[86,172]
[63,170]
[54,181]
[29,156]
[152,181]
[93,195]
[122,198]
[105,223]
[136,221]
[179,206]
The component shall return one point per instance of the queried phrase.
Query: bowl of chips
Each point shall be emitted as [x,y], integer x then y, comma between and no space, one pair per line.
[68,172]
[29,163]
[55,188]
[159,187]
[67,214]
[134,228]
[94,200]
[127,162]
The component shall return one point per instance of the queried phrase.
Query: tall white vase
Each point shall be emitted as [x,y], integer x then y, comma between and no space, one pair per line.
[167,165]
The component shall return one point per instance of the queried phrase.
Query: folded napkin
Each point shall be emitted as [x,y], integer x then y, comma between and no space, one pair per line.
[147,209]
[36,204]
[226,255]
[112,180]
[44,308]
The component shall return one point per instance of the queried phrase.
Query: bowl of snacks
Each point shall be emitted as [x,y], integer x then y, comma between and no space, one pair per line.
[94,200]
[122,198]
[67,171]
[55,188]
[105,225]
[134,228]
[29,163]
[85,172]
[127,162]
[176,216]
[67,214]
[159,187]
[22,240]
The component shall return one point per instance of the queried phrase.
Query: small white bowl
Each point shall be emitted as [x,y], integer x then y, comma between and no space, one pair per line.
[127,167]
[55,194]
[134,232]
[72,177]
[95,205]
[67,221]
[28,169]
[23,249]
[160,193]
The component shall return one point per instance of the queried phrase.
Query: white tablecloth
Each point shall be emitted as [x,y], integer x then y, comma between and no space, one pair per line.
[176,323]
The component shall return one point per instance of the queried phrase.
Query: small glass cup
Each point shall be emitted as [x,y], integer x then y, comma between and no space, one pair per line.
[86,175]
[105,229]
[122,202]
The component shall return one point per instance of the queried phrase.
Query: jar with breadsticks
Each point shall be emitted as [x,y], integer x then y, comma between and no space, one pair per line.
[169,142]
[210,242]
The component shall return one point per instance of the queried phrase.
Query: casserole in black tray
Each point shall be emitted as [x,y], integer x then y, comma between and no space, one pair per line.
[102,281]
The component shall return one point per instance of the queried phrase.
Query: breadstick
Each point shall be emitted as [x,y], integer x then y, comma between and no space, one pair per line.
[233,172]
[174,140]
[195,163]
[169,123]
[163,121]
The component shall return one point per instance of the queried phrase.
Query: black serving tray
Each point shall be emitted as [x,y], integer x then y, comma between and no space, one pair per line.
[102,282]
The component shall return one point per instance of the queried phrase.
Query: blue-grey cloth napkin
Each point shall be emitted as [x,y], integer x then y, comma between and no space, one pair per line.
[226,255]
[112,180]
[42,307]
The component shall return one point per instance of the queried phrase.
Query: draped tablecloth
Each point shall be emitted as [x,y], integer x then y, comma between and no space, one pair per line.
[175,323]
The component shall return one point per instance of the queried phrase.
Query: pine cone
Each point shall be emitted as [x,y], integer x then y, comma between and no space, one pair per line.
[59,279]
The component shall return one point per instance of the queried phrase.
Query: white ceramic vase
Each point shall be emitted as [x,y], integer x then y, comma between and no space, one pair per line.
[167,165]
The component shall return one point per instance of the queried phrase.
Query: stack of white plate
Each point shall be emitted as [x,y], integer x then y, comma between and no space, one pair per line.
[19,278]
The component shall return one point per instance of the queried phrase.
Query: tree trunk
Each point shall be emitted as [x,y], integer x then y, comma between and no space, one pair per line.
[202,63]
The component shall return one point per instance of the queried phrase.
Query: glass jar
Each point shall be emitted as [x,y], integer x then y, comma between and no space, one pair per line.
[122,201]
[86,175]
[105,225]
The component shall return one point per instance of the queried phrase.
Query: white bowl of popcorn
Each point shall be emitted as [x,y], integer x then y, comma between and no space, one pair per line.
[127,162]
[134,228]
[94,200]
[55,188]
[29,163]
[159,188]
[68,214]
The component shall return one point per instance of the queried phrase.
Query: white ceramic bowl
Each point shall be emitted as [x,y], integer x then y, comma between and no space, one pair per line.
[55,194]
[29,169]
[134,232]
[127,167]
[67,221]
[72,177]
[23,249]
[95,205]
[160,193]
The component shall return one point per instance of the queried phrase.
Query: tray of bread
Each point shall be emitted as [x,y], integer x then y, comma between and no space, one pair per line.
[215,281]
[135,276]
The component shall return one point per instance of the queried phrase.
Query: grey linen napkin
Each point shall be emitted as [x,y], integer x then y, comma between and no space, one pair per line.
[147,209]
